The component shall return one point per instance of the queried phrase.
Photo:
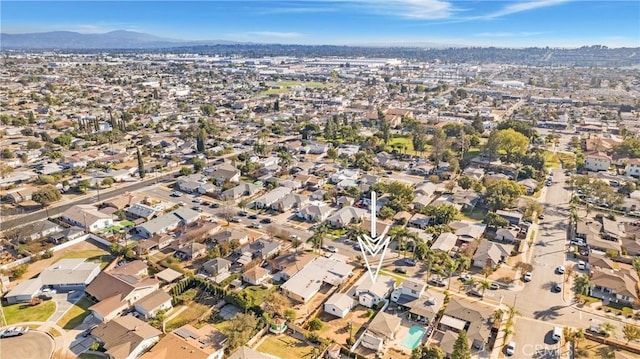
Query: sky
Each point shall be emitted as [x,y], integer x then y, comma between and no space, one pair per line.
[511,23]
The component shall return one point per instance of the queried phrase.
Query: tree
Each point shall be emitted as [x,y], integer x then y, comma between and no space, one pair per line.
[198,164]
[202,136]
[606,328]
[385,127]
[419,138]
[141,171]
[501,194]
[582,284]
[631,332]
[443,214]
[20,270]
[185,171]
[439,144]
[240,329]
[465,182]
[432,352]
[514,144]
[284,159]
[332,153]
[108,182]
[315,324]
[46,195]
[276,304]
[461,349]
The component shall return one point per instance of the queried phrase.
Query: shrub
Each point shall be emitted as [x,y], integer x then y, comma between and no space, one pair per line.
[316,324]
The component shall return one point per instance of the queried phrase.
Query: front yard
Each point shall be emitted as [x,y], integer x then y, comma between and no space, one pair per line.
[18,313]
[285,347]
[76,314]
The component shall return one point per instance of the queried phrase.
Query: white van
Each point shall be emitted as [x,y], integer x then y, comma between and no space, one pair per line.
[557,334]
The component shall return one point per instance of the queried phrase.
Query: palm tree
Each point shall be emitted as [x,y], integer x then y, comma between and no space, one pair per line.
[582,284]
[399,233]
[484,285]
[450,265]
[430,259]
[354,232]
[464,262]
[497,315]
[511,312]
[285,160]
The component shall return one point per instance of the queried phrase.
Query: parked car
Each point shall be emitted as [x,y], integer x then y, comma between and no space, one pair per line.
[236,219]
[255,225]
[176,194]
[253,216]
[196,200]
[465,277]
[527,277]
[474,293]
[557,288]
[582,265]
[332,249]
[494,286]
[214,205]
[266,220]
[440,282]
[511,348]
[560,270]
[409,261]
[400,270]
[14,332]
[242,213]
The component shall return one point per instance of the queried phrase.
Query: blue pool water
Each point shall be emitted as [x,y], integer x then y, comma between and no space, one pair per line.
[413,337]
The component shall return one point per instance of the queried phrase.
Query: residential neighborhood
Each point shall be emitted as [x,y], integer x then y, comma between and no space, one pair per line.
[167,205]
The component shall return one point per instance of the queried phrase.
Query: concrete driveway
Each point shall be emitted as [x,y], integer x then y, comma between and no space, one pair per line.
[33,345]
[64,302]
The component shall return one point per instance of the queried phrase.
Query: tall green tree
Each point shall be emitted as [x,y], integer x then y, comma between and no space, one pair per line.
[439,145]
[141,171]
[419,138]
[240,329]
[46,195]
[502,194]
[461,349]
[202,135]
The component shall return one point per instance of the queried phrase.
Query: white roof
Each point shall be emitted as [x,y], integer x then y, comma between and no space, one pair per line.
[341,301]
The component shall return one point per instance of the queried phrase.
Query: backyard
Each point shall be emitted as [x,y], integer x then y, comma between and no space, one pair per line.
[193,312]
[337,329]
[18,313]
[285,347]
[92,255]
[76,314]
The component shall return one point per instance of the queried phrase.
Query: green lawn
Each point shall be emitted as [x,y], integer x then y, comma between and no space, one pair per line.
[551,159]
[258,293]
[92,255]
[18,313]
[76,314]
[477,214]
[191,314]
[402,143]
[285,347]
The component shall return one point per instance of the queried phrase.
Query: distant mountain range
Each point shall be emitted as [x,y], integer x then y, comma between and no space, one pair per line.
[119,39]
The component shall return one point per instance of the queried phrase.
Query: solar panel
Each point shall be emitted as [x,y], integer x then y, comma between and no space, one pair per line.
[186,333]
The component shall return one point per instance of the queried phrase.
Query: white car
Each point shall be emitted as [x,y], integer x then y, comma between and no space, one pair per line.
[332,249]
[581,265]
[527,277]
[560,269]
[511,348]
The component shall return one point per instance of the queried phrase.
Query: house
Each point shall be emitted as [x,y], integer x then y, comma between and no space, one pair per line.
[303,285]
[289,264]
[189,251]
[126,337]
[155,243]
[468,231]
[118,289]
[267,199]
[224,173]
[473,318]
[167,222]
[150,305]
[88,217]
[314,213]
[506,235]
[189,342]
[530,185]
[445,242]
[34,231]
[597,161]
[409,290]
[618,286]
[339,304]
[125,200]
[169,275]
[490,254]
[345,216]
[424,309]
[311,182]
[64,276]
[465,200]
[245,352]
[370,293]
[255,275]
[241,190]
[632,168]
[216,266]
[140,210]
[289,201]
[230,235]
[420,220]
[19,195]
[513,217]
[260,248]
[381,330]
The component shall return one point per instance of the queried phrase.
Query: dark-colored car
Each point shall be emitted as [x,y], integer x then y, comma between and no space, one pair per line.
[266,220]
[253,216]
[400,270]
[474,293]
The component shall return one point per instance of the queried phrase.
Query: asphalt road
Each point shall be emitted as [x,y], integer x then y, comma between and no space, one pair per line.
[89,199]
[33,345]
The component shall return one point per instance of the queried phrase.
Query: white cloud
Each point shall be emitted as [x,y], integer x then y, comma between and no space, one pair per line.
[415,9]
[520,7]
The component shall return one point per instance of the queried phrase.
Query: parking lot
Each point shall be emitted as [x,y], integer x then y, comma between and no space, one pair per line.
[533,340]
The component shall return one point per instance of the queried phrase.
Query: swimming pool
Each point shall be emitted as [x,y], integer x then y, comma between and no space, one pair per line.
[413,337]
